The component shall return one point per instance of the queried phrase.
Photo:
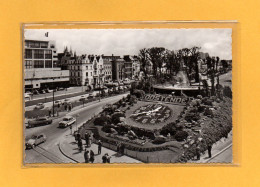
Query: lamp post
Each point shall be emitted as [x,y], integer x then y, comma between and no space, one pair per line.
[53,96]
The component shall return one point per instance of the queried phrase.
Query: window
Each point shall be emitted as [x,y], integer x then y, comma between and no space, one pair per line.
[48,64]
[44,45]
[91,73]
[78,67]
[48,54]
[38,64]
[87,74]
[27,44]
[28,64]
[86,67]
[38,54]
[28,53]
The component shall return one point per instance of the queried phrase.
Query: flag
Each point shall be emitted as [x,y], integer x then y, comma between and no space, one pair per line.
[46,34]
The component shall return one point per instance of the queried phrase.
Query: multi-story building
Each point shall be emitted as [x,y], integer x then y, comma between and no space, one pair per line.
[118,69]
[128,66]
[40,64]
[87,70]
[107,69]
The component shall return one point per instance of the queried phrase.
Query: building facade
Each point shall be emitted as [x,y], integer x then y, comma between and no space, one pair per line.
[87,71]
[41,66]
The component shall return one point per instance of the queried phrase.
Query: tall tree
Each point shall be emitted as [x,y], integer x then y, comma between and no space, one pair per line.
[143,57]
[156,57]
[194,58]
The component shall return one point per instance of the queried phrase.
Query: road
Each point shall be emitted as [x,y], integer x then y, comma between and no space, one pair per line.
[49,104]
[54,133]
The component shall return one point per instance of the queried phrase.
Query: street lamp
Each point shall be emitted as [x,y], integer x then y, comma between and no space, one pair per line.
[53,96]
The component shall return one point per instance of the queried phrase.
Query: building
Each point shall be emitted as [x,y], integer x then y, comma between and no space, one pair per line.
[107,69]
[41,66]
[128,66]
[87,71]
[65,58]
[118,69]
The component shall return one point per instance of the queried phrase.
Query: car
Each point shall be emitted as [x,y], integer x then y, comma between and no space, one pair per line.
[35,92]
[27,97]
[57,103]
[66,101]
[60,88]
[39,121]
[82,98]
[35,140]
[39,106]
[42,91]
[90,96]
[67,121]
[47,90]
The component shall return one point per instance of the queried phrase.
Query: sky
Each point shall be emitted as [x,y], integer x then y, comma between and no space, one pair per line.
[217,42]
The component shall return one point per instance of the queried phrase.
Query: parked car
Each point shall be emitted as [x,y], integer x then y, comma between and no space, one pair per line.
[39,106]
[67,121]
[57,102]
[83,98]
[66,101]
[35,140]
[39,121]
[35,92]
[27,96]
[42,91]
[90,96]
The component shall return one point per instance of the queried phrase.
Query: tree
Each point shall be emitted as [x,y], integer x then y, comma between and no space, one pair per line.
[194,57]
[144,60]
[156,57]
[171,62]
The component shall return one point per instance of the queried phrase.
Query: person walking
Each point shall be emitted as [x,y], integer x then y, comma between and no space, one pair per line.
[71,129]
[104,158]
[122,149]
[86,156]
[92,156]
[87,139]
[209,147]
[198,151]
[99,147]
[108,158]
[80,144]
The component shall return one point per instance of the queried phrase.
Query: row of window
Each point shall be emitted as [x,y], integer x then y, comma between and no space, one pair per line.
[29,64]
[38,54]
[87,67]
[34,44]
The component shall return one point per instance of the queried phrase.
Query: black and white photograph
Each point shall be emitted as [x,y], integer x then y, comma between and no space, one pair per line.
[129,96]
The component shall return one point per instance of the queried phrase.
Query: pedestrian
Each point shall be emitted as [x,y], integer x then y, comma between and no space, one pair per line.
[91,138]
[86,156]
[108,158]
[65,107]
[122,149]
[104,158]
[92,156]
[209,147]
[198,151]
[69,107]
[80,144]
[87,138]
[70,129]
[118,147]
[99,147]
[49,113]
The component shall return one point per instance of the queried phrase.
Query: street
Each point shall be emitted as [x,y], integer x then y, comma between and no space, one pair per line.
[54,134]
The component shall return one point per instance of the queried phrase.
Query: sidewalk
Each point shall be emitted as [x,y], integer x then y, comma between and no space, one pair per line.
[217,149]
[69,148]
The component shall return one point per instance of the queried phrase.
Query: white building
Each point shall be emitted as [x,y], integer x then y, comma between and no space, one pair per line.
[87,71]
[40,66]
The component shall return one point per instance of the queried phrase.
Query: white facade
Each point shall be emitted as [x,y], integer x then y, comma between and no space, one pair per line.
[87,71]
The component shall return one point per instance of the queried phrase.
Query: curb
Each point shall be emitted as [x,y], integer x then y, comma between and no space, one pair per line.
[62,151]
[218,153]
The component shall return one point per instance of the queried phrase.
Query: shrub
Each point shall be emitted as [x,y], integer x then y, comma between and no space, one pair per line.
[169,128]
[190,116]
[116,117]
[101,121]
[227,92]
[181,135]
